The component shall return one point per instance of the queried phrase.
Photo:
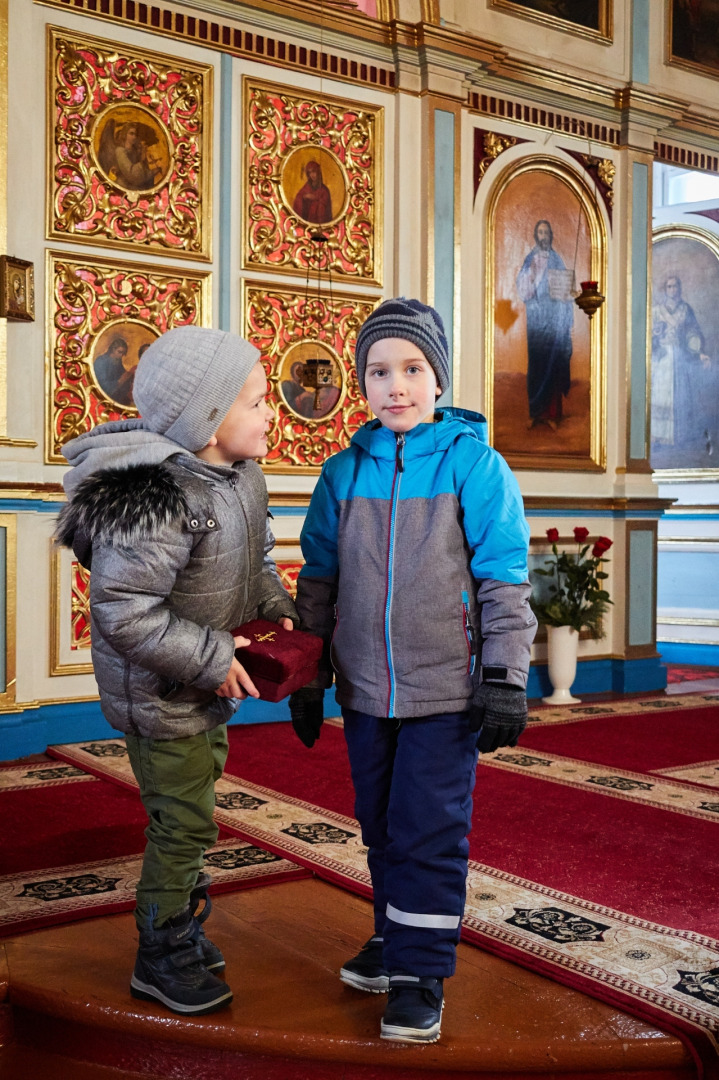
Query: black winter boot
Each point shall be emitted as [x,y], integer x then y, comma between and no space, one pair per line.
[414,1009]
[366,971]
[212,958]
[169,969]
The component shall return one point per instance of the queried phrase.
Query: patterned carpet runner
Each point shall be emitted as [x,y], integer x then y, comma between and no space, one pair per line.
[71,847]
[600,876]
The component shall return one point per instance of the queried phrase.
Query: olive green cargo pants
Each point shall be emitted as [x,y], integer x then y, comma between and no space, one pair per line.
[177,786]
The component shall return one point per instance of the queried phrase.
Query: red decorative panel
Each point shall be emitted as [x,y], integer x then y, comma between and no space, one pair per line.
[288,571]
[80,607]
[312,165]
[130,153]
[290,329]
[103,317]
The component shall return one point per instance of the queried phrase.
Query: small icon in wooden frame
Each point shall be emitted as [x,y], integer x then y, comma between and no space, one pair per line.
[17,289]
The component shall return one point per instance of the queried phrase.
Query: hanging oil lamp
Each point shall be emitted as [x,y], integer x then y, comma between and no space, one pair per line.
[589,299]
[318,369]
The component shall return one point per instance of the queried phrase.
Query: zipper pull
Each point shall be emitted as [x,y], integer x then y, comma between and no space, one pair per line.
[400,452]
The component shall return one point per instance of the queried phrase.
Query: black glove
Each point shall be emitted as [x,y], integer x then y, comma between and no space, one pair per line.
[499,714]
[306,709]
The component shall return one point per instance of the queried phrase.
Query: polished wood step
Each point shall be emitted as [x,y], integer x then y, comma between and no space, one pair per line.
[68,1008]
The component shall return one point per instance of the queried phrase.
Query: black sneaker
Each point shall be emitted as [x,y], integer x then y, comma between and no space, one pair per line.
[169,968]
[414,1009]
[212,958]
[365,971]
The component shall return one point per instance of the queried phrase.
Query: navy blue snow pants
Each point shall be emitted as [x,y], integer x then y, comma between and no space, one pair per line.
[413,782]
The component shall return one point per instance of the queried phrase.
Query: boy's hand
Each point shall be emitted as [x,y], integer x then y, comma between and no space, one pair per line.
[286,624]
[499,714]
[238,683]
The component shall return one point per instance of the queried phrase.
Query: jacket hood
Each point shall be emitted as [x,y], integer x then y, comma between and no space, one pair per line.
[449,425]
[116,445]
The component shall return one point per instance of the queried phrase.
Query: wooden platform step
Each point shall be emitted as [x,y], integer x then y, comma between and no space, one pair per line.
[68,1014]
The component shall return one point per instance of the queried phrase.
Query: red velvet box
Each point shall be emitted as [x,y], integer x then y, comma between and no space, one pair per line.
[278,661]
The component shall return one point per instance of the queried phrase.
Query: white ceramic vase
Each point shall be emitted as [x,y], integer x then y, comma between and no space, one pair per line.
[562,643]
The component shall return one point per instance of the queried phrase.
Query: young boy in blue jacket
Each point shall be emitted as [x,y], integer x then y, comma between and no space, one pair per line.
[415,575]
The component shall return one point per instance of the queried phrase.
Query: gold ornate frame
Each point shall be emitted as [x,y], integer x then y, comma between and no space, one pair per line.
[69,614]
[17,289]
[276,320]
[595,461]
[87,78]
[8,522]
[85,297]
[711,241]
[279,121]
[681,61]
[604,34]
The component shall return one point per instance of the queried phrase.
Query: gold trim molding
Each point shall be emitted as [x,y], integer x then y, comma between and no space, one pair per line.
[61,561]
[129,147]
[595,459]
[7,696]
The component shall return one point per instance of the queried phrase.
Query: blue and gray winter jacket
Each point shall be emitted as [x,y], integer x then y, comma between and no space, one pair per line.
[415,550]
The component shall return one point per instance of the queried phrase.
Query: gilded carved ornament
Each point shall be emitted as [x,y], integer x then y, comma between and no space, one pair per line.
[312,164]
[129,148]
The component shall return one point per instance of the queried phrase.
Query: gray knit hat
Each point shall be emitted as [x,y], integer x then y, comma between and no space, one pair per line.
[187,380]
[413,321]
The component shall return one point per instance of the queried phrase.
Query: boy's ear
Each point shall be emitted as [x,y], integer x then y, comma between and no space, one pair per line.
[437,391]
[212,441]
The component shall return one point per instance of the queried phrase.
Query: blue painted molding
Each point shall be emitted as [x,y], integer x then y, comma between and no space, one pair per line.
[32,731]
[685,652]
[578,511]
[638,447]
[709,515]
[640,41]
[9,506]
[603,676]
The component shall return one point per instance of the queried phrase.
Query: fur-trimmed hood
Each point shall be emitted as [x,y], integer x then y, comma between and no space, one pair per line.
[127,484]
[120,507]
[113,446]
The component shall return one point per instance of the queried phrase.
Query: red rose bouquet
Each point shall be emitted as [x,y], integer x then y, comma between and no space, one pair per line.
[576,594]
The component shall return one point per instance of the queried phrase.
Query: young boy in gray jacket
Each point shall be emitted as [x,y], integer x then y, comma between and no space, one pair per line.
[169,511]
[415,574]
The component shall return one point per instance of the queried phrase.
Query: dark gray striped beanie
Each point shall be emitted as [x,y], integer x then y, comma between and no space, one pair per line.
[413,321]
[187,380]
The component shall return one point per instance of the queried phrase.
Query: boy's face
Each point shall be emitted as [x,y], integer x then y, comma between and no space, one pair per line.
[243,432]
[401,384]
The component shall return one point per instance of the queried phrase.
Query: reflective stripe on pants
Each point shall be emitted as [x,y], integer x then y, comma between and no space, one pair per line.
[413,783]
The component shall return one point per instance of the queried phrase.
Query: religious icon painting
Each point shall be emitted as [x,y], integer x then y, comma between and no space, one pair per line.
[307,345]
[17,289]
[104,317]
[685,353]
[130,147]
[312,184]
[692,37]
[545,357]
[590,18]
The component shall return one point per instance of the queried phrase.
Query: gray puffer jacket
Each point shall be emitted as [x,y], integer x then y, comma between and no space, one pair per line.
[179,552]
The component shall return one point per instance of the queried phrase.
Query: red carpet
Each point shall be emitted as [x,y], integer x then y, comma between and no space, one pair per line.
[642,860]
[586,865]
[677,674]
[644,743]
[70,848]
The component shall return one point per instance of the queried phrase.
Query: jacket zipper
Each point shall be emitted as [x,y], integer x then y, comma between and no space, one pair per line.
[468,633]
[396,483]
